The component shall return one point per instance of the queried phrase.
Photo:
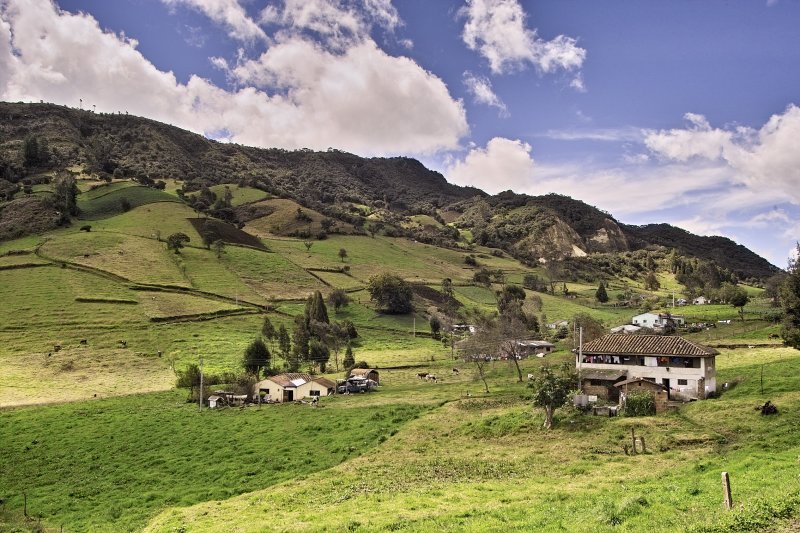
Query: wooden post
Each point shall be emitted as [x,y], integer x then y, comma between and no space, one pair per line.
[644,448]
[762,380]
[633,440]
[625,447]
[726,490]
[25,504]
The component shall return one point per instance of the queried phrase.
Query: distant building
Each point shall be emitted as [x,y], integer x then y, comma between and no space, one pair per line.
[626,329]
[701,300]
[527,348]
[369,373]
[464,328]
[686,369]
[657,320]
[558,324]
[293,386]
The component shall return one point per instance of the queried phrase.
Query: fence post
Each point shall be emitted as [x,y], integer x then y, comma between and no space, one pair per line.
[633,440]
[726,490]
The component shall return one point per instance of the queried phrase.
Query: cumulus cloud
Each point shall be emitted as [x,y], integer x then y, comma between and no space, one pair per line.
[764,160]
[481,90]
[496,30]
[229,13]
[504,164]
[297,94]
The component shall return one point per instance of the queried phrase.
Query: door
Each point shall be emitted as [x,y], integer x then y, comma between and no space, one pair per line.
[288,395]
[665,382]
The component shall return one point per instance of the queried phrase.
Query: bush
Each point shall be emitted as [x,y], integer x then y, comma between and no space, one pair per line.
[86,228]
[640,404]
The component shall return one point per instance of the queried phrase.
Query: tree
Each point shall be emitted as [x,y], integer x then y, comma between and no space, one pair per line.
[256,357]
[268,331]
[342,254]
[391,293]
[338,298]
[592,328]
[601,294]
[790,302]
[65,195]
[739,299]
[308,245]
[436,326]
[284,342]
[651,282]
[447,288]
[300,339]
[319,354]
[483,277]
[476,350]
[349,360]
[327,224]
[551,389]
[374,228]
[208,238]
[176,241]
[219,248]
[316,310]
[30,151]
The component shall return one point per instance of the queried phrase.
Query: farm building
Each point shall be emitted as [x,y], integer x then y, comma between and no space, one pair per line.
[686,369]
[701,300]
[660,392]
[626,329]
[535,347]
[657,320]
[368,373]
[293,386]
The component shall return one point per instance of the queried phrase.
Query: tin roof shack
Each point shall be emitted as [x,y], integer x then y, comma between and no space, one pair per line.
[527,348]
[601,383]
[660,392]
[293,386]
[368,373]
[685,368]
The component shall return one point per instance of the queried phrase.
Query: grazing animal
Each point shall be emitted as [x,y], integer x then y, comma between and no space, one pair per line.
[56,347]
[530,377]
[750,346]
[774,336]
[431,377]
[422,375]
[124,344]
[84,342]
[455,371]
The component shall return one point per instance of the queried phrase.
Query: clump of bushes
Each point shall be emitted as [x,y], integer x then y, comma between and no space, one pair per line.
[640,404]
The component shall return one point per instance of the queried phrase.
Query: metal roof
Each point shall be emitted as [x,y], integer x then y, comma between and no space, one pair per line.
[605,375]
[656,345]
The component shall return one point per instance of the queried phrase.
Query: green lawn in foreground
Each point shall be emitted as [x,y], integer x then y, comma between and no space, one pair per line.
[485,464]
[109,465]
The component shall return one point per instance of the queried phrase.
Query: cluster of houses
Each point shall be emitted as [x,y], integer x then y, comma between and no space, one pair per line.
[295,386]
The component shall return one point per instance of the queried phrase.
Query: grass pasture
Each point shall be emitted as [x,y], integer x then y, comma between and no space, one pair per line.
[484,464]
[109,465]
[111,202]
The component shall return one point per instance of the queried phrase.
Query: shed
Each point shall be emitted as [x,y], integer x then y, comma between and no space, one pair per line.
[215,401]
[660,392]
[600,383]
[368,373]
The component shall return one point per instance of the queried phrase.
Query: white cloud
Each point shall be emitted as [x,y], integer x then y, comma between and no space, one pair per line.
[766,161]
[481,90]
[228,13]
[504,164]
[496,30]
[362,100]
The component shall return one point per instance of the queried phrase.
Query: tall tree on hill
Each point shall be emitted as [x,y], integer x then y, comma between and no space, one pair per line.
[284,342]
[176,241]
[601,294]
[651,282]
[65,195]
[349,359]
[219,248]
[338,298]
[790,302]
[319,354]
[300,339]
[342,254]
[315,309]
[256,357]
[268,331]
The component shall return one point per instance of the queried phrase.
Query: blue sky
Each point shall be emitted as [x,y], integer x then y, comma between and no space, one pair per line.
[681,112]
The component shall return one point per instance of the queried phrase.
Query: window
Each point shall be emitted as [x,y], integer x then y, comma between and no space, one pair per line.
[265,391]
[595,382]
[314,393]
[683,382]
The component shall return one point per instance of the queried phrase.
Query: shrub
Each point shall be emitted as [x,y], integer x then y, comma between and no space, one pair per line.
[640,404]
[86,228]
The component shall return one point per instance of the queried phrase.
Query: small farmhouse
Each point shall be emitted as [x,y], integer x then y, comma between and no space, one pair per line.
[626,329]
[657,320]
[701,300]
[465,328]
[558,324]
[686,369]
[527,348]
[293,386]
[368,373]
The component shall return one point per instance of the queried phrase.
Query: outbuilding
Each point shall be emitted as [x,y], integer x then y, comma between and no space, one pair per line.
[368,373]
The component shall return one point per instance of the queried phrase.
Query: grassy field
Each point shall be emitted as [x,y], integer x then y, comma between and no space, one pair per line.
[485,464]
[110,202]
[241,195]
[109,465]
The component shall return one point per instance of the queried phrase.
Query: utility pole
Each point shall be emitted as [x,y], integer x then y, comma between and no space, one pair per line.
[580,355]
[200,402]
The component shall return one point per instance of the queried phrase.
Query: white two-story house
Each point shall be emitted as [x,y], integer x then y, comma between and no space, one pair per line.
[657,320]
[685,368]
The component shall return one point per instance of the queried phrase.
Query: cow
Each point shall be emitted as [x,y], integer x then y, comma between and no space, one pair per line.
[56,347]
[123,343]
[455,371]
[422,375]
[530,377]
[431,377]
[84,342]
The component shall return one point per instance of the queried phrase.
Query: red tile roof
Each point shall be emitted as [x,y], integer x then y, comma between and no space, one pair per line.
[646,345]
